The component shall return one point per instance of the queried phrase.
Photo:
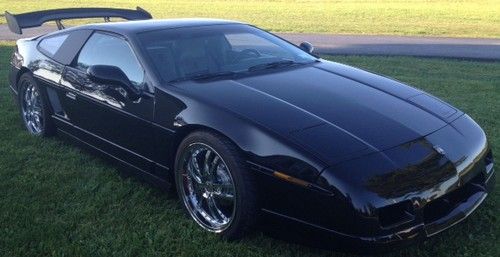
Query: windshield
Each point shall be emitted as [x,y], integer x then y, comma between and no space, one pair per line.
[216,51]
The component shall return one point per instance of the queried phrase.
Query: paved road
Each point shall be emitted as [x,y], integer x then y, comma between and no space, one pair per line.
[486,49]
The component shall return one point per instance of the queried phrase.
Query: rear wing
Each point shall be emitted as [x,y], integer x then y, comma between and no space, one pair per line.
[17,22]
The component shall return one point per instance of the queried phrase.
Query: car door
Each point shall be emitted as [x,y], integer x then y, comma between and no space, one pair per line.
[47,69]
[103,115]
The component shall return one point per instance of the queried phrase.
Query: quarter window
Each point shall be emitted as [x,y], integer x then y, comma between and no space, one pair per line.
[103,49]
[50,45]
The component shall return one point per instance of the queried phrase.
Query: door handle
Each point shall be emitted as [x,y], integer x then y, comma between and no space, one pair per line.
[71,95]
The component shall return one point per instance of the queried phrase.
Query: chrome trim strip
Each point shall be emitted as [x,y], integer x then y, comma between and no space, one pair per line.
[12,89]
[490,175]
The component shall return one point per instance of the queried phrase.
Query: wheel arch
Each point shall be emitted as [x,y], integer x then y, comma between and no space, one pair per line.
[21,72]
[257,146]
[186,130]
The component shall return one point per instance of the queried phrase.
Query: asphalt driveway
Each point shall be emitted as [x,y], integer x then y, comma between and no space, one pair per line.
[467,48]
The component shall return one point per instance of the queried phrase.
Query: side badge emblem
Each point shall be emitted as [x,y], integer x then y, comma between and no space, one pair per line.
[439,150]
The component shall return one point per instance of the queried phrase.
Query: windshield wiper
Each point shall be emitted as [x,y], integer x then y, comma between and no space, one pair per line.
[206,76]
[272,65]
[213,75]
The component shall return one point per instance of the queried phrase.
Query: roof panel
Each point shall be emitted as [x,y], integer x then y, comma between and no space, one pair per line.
[127,27]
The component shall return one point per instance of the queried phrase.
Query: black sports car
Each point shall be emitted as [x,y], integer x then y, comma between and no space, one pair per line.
[244,124]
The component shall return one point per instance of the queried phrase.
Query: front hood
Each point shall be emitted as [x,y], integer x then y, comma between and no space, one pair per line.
[334,111]
[422,170]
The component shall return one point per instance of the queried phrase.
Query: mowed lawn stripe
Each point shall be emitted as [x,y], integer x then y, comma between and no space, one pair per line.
[421,18]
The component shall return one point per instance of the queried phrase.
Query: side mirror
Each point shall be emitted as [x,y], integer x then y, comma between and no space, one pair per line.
[112,76]
[306,46]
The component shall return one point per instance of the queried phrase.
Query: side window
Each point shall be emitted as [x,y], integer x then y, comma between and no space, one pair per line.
[50,45]
[103,49]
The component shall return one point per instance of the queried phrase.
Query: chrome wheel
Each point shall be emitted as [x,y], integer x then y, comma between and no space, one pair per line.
[31,106]
[206,187]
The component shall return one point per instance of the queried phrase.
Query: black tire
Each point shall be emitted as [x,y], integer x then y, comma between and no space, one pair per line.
[47,127]
[245,214]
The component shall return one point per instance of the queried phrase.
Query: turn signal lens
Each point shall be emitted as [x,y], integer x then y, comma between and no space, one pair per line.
[290,179]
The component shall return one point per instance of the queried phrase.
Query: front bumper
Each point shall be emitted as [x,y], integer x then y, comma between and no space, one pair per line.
[398,196]
[468,198]
[455,206]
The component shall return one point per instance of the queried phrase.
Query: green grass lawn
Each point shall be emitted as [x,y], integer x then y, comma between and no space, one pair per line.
[473,18]
[59,200]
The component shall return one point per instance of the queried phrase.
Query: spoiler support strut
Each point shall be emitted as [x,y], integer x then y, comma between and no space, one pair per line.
[59,25]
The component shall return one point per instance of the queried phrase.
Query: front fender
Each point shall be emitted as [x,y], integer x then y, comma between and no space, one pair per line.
[178,112]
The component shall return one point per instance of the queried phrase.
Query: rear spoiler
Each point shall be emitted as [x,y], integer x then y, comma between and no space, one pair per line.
[17,22]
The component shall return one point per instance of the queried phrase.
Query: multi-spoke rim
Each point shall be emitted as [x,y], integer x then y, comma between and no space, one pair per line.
[31,108]
[207,187]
